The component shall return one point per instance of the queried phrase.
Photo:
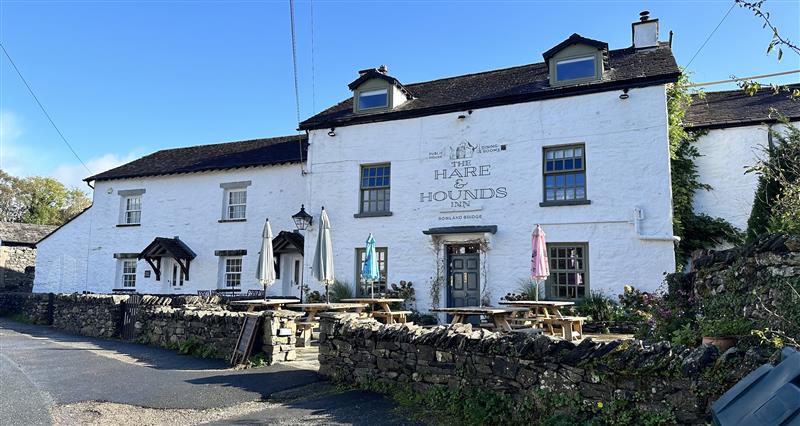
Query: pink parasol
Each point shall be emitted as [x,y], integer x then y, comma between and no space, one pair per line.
[540,266]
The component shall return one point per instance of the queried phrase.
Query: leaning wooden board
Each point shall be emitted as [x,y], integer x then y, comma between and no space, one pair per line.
[247,337]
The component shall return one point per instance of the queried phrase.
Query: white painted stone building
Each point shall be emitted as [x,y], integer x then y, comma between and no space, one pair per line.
[449,175]
[735,130]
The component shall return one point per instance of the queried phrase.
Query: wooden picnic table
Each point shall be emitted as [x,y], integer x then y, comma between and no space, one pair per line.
[496,315]
[385,310]
[544,308]
[548,312]
[306,324]
[314,308]
[264,303]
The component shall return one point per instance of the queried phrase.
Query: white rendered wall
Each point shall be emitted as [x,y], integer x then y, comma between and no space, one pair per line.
[627,167]
[61,257]
[725,154]
[188,206]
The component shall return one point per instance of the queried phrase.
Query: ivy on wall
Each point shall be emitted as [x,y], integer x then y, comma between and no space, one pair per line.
[697,231]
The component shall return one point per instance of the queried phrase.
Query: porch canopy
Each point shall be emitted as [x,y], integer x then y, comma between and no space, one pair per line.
[288,242]
[168,247]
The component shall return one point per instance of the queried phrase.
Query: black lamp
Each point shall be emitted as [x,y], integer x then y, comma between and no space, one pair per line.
[302,220]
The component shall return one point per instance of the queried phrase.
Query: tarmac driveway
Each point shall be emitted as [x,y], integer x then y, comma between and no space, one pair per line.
[41,368]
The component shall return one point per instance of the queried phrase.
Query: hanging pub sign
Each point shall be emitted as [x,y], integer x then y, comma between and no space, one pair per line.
[463,177]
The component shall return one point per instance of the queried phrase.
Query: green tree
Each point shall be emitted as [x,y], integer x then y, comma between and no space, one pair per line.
[776,206]
[39,200]
[697,231]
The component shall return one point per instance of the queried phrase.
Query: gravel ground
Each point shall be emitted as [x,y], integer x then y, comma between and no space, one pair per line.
[108,413]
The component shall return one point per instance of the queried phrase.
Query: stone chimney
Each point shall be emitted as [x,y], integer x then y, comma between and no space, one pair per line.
[645,32]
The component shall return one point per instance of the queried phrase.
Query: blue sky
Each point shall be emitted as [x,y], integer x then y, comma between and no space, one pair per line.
[125,78]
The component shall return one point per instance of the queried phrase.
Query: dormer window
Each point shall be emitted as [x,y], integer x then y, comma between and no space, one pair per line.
[376,91]
[370,99]
[577,60]
[577,68]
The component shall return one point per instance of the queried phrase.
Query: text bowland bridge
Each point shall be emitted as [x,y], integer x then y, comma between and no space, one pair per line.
[450,176]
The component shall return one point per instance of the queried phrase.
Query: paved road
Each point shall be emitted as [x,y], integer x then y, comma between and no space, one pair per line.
[41,368]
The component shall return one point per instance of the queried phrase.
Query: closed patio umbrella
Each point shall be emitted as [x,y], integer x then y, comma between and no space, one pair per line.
[369,271]
[265,272]
[540,266]
[322,269]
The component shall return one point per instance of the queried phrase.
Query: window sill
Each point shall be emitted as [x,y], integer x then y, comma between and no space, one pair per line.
[565,203]
[126,225]
[123,290]
[231,220]
[376,214]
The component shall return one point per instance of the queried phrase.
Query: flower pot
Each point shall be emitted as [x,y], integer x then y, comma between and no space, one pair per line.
[723,343]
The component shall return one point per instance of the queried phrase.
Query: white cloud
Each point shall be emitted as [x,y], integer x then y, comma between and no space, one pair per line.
[20,159]
[72,174]
[11,154]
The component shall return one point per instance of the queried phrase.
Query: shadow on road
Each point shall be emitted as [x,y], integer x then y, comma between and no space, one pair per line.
[151,356]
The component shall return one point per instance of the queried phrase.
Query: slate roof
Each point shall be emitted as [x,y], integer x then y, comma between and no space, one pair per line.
[221,156]
[734,108]
[627,68]
[12,233]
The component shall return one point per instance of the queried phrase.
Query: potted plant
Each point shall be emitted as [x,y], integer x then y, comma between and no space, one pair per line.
[723,332]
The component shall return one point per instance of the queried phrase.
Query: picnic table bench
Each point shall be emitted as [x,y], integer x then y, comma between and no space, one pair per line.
[306,324]
[263,303]
[496,316]
[548,313]
[385,311]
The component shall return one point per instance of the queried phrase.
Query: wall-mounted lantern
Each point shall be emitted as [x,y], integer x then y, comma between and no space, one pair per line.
[302,220]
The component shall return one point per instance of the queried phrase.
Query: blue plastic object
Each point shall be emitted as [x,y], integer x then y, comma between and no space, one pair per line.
[768,396]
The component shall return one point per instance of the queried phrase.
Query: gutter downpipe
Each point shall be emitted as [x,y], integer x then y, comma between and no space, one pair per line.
[638,216]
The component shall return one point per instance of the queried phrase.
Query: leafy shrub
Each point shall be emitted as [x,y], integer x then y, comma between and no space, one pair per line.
[314,297]
[419,318]
[526,290]
[340,290]
[405,290]
[599,307]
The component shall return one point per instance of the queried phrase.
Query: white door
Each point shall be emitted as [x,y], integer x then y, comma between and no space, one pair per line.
[291,274]
[173,276]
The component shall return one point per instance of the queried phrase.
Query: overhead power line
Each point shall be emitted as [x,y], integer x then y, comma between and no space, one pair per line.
[754,77]
[709,36]
[313,77]
[46,114]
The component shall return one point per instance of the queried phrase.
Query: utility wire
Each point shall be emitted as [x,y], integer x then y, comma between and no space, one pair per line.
[709,36]
[296,85]
[14,65]
[754,77]
[313,77]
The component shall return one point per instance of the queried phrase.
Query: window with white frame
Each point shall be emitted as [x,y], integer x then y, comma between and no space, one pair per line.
[133,210]
[371,99]
[236,207]
[232,272]
[128,273]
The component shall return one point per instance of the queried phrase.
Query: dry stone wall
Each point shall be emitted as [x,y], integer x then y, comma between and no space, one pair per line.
[17,266]
[661,377]
[196,325]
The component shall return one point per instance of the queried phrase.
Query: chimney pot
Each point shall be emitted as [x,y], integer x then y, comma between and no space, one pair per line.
[383,69]
[644,15]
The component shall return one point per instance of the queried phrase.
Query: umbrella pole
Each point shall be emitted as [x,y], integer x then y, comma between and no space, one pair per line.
[537,290]
[372,289]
